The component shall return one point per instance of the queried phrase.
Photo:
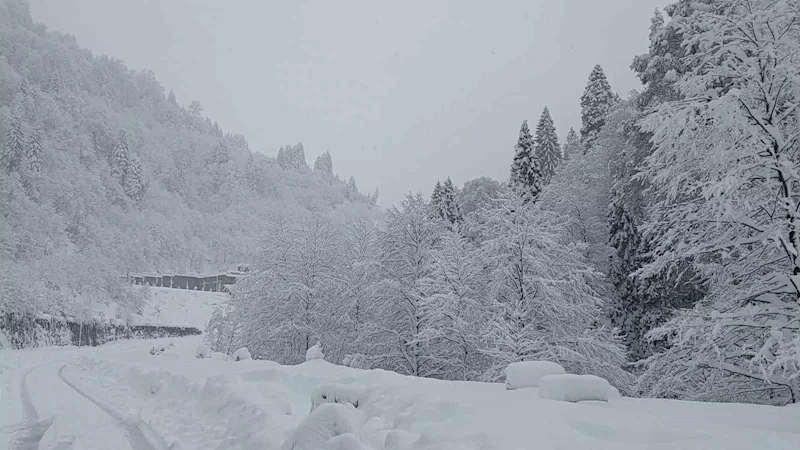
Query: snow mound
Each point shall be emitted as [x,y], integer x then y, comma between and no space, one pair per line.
[574,388]
[347,441]
[322,425]
[242,354]
[315,352]
[202,351]
[337,393]
[528,373]
[219,356]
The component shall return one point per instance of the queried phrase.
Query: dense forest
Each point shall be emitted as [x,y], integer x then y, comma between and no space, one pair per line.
[104,174]
[657,247]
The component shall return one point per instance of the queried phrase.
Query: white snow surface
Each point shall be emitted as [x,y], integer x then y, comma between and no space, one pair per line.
[172,307]
[528,373]
[179,401]
[574,388]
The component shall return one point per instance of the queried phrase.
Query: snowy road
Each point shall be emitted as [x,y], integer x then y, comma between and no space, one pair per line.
[61,414]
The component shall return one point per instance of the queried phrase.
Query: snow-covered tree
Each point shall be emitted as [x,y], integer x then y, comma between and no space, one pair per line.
[33,151]
[293,157]
[596,102]
[407,318]
[572,146]
[545,305]
[221,154]
[14,145]
[526,174]
[724,176]
[548,151]
[445,201]
[134,184]
[351,188]
[324,165]
[120,157]
[477,193]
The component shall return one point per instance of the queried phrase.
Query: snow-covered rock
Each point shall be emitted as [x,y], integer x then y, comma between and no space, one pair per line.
[337,393]
[242,354]
[528,373]
[574,388]
[202,351]
[323,424]
[315,352]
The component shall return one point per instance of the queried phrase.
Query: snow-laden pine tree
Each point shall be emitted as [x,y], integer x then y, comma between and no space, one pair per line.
[724,176]
[324,165]
[545,306]
[221,154]
[351,188]
[596,102]
[450,209]
[120,157]
[526,174]
[548,151]
[572,146]
[33,151]
[14,145]
[436,199]
[133,180]
[407,316]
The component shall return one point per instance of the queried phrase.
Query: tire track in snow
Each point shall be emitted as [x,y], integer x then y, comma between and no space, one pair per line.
[140,436]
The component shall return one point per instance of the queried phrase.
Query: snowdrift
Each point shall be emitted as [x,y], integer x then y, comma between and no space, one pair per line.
[208,404]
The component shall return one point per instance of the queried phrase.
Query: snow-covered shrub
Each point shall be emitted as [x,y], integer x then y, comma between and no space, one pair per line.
[574,388]
[528,373]
[242,354]
[202,351]
[323,424]
[315,352]
[356,361]
[337,393]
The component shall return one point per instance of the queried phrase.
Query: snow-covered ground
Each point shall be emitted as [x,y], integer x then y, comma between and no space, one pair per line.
[173,307]
[119,396]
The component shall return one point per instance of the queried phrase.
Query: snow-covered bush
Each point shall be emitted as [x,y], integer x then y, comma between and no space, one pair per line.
[337,393]
[574,388]
[242,354]
[323,424]
[528,373]
[202,351]
[315,352]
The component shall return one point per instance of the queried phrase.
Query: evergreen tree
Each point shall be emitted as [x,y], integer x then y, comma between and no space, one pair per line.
[525,171]
[14,147]
[34,151]
[548,151]
[596,102]
[221,154]
[120,157]
[352,189]
[171,98]
[572,146]
[251,174]
[436,200]
[133,180]
[450,210]
[324,165]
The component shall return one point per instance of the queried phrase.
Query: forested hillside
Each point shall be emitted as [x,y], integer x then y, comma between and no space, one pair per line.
[657,248]
[105,173]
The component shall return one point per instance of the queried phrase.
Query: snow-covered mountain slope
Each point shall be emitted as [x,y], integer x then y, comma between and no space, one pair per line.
[213,403]
[173,307]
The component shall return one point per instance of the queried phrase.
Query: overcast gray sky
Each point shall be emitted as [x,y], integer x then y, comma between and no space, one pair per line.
[401,93]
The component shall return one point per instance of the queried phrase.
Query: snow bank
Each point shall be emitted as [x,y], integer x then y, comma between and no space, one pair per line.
[321,426]
[242,354]
[315,352]
[337,393]
[528,373]
[574,388]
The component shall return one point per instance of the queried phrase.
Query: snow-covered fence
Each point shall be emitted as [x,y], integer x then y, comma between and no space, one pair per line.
[25,331]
